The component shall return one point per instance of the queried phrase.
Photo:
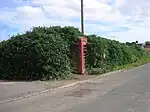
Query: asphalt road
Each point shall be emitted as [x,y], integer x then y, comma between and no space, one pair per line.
[128,91]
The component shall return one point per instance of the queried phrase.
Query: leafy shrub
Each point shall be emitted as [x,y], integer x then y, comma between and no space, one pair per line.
[54,61]
[68,34]
[18,59]
[116,54]
[96,49]
[24,58]
[47,53]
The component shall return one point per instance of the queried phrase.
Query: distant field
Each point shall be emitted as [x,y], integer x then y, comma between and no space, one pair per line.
[147,49]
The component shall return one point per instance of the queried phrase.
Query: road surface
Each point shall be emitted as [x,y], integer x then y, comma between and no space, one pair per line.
[128,91]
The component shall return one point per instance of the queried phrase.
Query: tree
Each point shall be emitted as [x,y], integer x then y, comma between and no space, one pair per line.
[147,42]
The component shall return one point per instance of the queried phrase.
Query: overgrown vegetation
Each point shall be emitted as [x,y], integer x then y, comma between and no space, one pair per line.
[48,53]
[105,55]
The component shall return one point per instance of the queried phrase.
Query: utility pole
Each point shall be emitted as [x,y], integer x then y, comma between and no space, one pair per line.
[82,18]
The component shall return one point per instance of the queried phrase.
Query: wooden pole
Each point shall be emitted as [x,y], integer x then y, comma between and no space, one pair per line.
[82,18]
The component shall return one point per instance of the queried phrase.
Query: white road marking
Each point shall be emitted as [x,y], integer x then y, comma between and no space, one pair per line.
[8,83]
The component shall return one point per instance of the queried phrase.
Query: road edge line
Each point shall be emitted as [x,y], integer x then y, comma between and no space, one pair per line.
[60,87]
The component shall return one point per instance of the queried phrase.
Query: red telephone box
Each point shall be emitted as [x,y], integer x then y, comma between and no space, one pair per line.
[82,47]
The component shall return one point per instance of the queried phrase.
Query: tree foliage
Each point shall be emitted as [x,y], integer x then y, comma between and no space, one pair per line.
[46,53]
[116,53]
[35,55]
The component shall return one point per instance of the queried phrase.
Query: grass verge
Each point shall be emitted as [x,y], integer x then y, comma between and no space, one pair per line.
[139,62]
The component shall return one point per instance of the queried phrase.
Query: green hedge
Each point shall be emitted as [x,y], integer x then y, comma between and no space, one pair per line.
[116,54]
[68,34]
[46,53]
[29,58]
[18,59]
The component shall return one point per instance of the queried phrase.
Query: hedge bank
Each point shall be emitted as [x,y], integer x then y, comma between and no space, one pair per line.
[47,53]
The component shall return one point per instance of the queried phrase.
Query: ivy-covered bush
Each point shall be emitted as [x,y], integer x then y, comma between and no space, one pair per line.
[54,62]
[19,59]
[28,58]
[69,35]
[106,54]
[46,53]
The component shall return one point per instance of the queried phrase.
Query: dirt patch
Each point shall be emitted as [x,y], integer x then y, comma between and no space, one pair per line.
[81,92]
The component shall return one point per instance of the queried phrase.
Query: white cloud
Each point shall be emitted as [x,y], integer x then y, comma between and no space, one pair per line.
[134,34]
[138,20]
[133,14]
[29,13]
[134,7]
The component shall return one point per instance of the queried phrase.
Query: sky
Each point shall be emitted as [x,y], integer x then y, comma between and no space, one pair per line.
[123,20]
